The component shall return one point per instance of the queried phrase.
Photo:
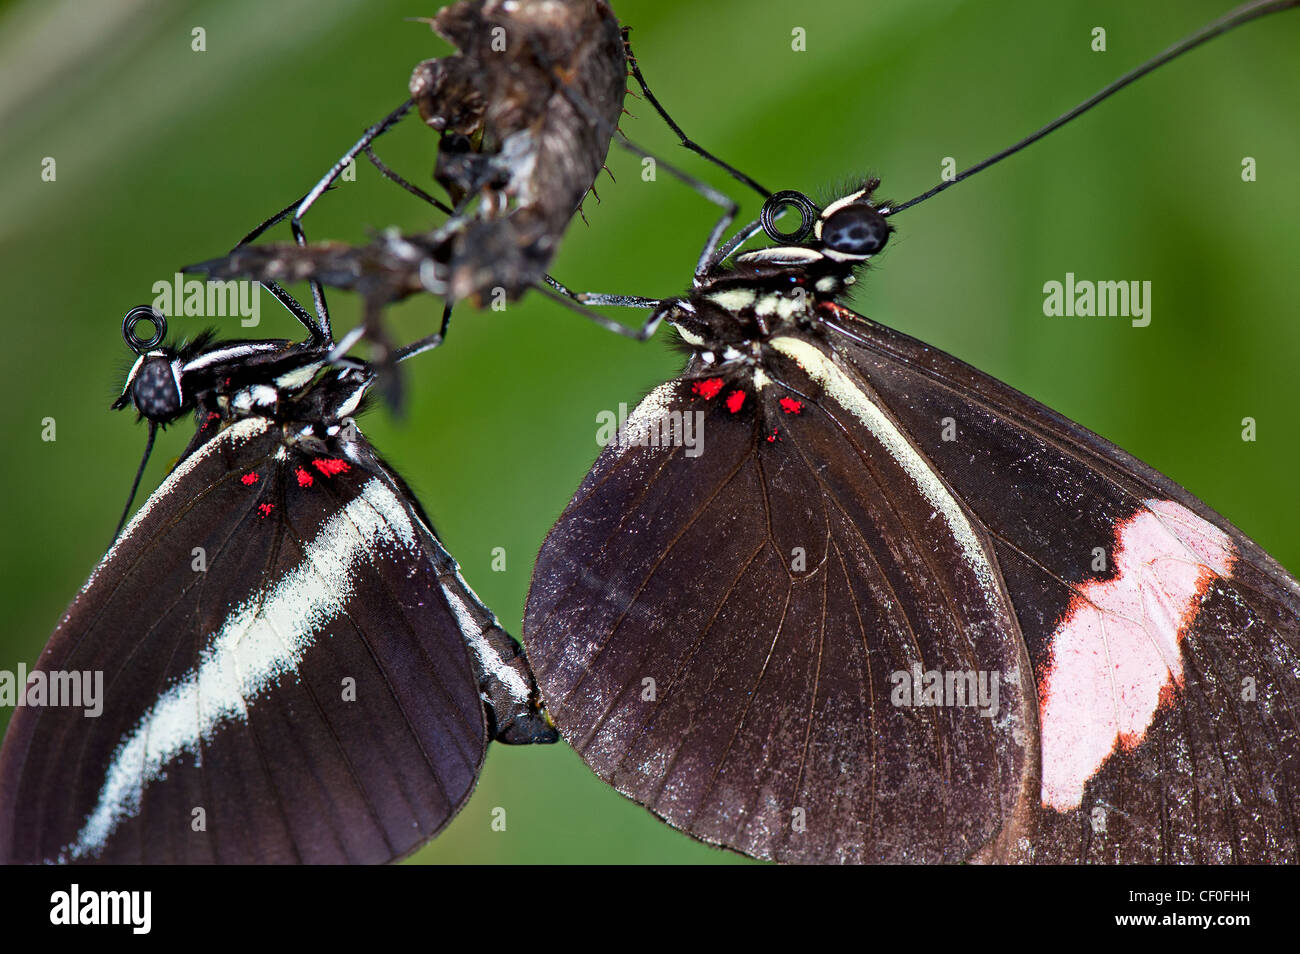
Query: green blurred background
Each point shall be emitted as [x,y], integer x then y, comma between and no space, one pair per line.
[166,156]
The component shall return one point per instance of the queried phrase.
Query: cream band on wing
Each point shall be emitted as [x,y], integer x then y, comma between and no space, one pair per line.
[263,640]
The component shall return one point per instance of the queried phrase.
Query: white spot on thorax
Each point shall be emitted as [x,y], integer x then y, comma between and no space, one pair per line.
[782,255]
[349,406]
[690,337]
[733,299]
[292,380]
[768,304]
[259,395]
[233,352]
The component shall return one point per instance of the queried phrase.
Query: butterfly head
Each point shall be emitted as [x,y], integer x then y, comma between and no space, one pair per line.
[851,229]
[232,378]
[829,245]
[772,291]
[154,382]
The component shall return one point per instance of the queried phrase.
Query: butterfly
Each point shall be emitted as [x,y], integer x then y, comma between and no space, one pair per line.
[291,667]
[833,595]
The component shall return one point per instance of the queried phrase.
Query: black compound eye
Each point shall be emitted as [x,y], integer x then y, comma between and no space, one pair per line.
[154,392]
[855,230]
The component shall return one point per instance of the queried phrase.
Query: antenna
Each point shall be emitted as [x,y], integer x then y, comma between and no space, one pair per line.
[1235,18]
[126,511]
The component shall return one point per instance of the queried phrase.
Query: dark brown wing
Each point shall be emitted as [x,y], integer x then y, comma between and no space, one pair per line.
[1165,643]
[282,680]
[722,637]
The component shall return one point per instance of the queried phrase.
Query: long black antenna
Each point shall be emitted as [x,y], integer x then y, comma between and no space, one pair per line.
[126,511]
[1235,18]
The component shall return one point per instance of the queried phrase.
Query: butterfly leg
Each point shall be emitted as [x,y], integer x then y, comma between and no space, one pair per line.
[295,223]
[720,199]
[321,328]
[578,301]
[597,298]
[319,331]
[681,135]
[410,187]
[427,343]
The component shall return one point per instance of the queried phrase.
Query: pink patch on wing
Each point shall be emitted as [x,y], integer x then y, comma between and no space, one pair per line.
[304,478]
[329,466]
[791,406]
[266,509]
[248,480]
[734,401]
[1115,659]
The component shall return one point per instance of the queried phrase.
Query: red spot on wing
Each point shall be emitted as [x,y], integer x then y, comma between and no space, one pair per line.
[735,400]
[266,509]
[708,389]
[791,405]
[772,438]
[248,480]
[329,466]
[1116,657]
[304,478]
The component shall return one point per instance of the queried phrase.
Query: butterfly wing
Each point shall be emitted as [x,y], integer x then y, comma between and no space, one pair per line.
[282,679]
[1165,643]
[716,631]
[837,528]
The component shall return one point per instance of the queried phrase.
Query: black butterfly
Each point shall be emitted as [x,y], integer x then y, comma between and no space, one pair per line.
[293,668]
[743,637]
[836,596]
